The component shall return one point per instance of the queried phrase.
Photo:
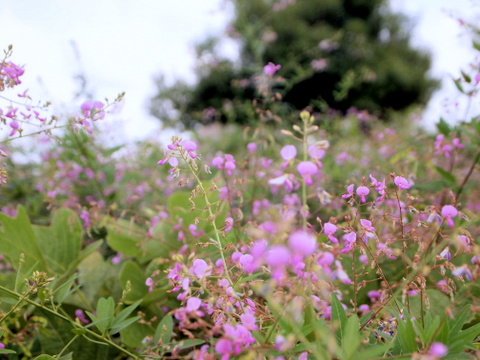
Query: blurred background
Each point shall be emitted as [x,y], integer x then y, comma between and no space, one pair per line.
[97,49]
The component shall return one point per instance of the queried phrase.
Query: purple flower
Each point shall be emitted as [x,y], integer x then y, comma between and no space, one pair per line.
[349,192]
[271,68]
[81,316]
[193,304]
[302,243]
[150,283]
[446,254]
[363,191]
[330,229]
[449,212]
[288,152]
[251,147]
[199,268]
[278,256]
[463,271]
[307,169]
[228,224]
[438,349]
[93,109]
[402,183]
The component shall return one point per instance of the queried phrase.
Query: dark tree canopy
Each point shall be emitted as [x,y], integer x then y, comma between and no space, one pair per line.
[334,54]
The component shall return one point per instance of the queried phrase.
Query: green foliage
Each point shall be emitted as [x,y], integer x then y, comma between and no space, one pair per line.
[363,55]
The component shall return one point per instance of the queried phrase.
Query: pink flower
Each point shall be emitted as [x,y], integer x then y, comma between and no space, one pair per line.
[330,229]
[81,316]
[363,191]
[302,243]
[288,152]
[193,304]
[278,256]
[463,271]
[85,216]
[271,68]
[350,192]
[199,268]
[228,224]
[93,110]
[307,169]
[248,320]
[340,274]
[150,283]
[438,349]
[402,183]
[449,212]
[446,254]
[15,126]
[251,147]
[350,240]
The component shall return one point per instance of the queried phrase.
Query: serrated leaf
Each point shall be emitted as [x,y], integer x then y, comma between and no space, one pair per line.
[164,330]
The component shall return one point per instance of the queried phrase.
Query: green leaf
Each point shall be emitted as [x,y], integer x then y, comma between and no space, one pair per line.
[372,351]
[122,315]
[124,238]
[120,321]
[60,242]
[443,127]
[114,329]
[132,273]
[476,45]
[339,316]
[44,357]
[351,337]
[186,344]
[17,237]
[164,330]
[8,351]
[66,289]
[449,177]
[104,316]
[466,77]
[457,324]
[406,336]
[458,85]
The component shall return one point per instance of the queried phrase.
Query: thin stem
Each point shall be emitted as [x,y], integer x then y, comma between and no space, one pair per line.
[211,217]
[67,345]
[467,177]
[73,323]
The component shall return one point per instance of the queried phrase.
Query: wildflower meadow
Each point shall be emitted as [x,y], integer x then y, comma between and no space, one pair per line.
[312,236]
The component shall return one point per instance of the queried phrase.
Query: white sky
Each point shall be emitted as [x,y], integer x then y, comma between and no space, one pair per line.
[124,43]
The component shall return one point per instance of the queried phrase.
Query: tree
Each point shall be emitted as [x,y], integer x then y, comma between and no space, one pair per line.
[335,54]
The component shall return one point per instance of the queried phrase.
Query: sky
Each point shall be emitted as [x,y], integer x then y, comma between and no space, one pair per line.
[120,45]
